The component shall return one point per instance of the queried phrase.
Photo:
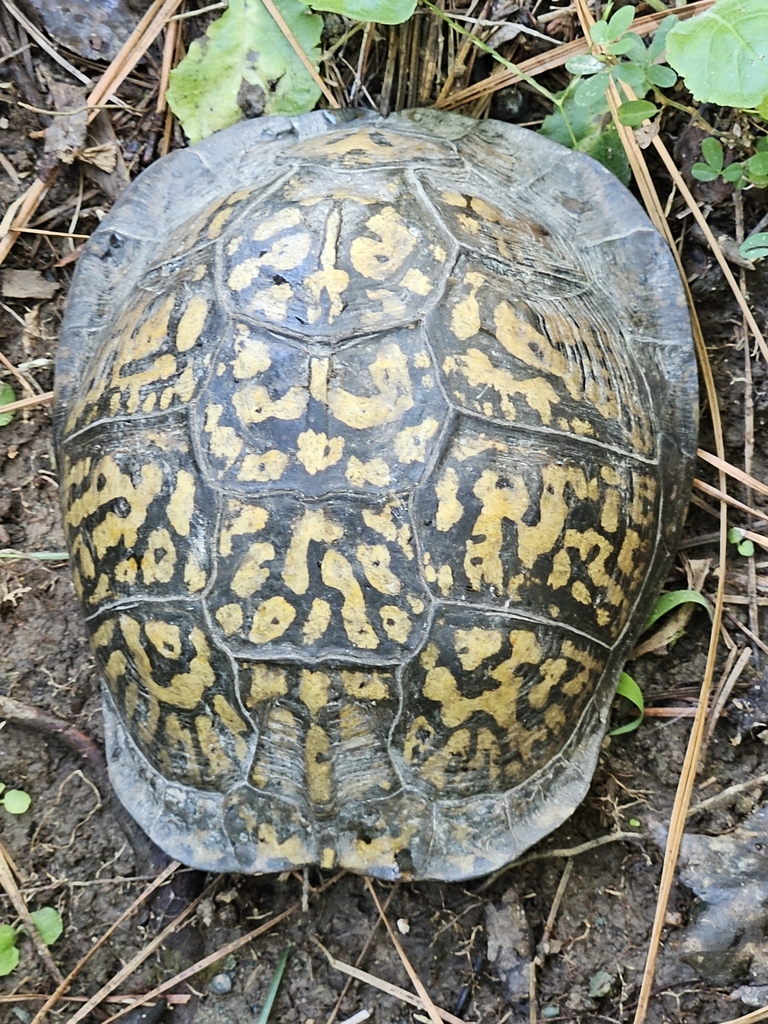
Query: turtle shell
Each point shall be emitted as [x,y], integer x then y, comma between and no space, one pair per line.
[375,437]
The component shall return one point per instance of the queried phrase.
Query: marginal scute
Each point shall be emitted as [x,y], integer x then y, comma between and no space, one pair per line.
[373,453]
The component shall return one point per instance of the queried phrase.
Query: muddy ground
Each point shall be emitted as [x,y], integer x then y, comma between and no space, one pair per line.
[71,851]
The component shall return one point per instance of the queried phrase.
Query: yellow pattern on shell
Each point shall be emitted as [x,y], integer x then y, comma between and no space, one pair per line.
[271,620]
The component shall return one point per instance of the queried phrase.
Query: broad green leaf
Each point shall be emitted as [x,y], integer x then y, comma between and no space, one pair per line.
[591,90]
[704,172]
[386,12]
[661,75]
[48,922]
[244,50]
[6,397]
[755,247]
[666,602]
[712,151]
[762,107]
[628,688]
[746,548]
[9,955]
[635,112]
[723,53]
[584,64]
[16,801]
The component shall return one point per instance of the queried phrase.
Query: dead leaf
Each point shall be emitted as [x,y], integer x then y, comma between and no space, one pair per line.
[26,284]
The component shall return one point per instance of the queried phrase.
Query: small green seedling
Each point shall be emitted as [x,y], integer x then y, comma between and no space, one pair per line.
[627,687]
[48,922]
[6,397]
[15,801]
[743,545]
[752,171]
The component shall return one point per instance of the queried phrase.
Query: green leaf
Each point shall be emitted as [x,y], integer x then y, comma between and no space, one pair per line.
[666,602]
[762,107]
[628,688]
[635,112]
[621,20]
[9,955]
[746,548]
[758,164]
[244,50]
[386,12]
[48,922]
[633,75]
[584,64]
[712,151]
[733,172]
[599,33]
[591,90]
[629,44]
[723,53]
[16,801]
[6,397]
[633,823]
[704,172]
[273,986]
[661,76]
[755,247]
[659,42]
[586,123]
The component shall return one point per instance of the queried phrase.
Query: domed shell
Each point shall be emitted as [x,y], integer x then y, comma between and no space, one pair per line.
[375,439]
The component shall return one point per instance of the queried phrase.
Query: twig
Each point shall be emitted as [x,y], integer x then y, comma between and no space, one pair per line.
[379,983]
[9,884]
[51,1000]
[295,45]
[429,1006]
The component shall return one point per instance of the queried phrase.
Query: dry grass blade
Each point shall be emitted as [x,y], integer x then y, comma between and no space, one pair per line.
[66,982]
[750,1018]
[32,199]
[429,1006]
[8,882]
[734,471]
[189,972]
[284,28]
[383,986]
[141,956]
[134,48]
[714,492]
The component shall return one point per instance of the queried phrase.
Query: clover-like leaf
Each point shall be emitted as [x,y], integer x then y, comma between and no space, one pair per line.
[661,75]
[712,151]
[723,53]
[619,22]
[245,58]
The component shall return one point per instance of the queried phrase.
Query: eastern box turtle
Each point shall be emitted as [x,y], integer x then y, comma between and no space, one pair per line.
[375,439]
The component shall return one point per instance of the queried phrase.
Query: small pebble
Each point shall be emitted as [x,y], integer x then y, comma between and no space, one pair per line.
[220,984]
[553,1010]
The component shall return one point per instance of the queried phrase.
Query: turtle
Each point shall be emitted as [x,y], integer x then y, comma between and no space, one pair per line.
[375,439]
